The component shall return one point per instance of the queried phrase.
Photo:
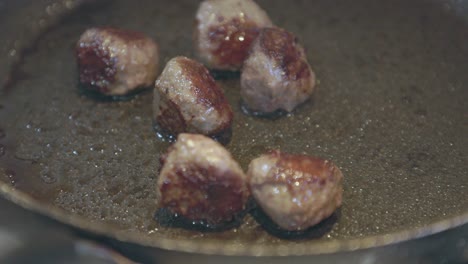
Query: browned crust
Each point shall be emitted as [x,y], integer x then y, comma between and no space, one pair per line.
[206,90]
[300,172]
[282,46]
[203,86]
[170,117]
[203,194]
[96,67]
[234,39]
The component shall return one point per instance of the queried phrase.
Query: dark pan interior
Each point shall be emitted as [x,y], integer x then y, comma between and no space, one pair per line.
[390,109]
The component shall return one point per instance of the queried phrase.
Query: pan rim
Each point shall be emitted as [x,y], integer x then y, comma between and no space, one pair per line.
[227,248]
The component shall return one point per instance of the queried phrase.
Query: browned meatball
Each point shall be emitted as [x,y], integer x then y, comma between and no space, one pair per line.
[187,99]
[115,62]
[276,75]
[200,181]
[225,30]
[296,191]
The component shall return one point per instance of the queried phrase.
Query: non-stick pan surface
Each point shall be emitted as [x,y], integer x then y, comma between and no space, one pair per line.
[390,109]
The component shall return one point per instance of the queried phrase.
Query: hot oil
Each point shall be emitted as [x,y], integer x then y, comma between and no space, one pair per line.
[381,112]
[14,168]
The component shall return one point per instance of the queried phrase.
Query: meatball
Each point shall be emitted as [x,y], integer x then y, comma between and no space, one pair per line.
[187,99]
[199,180]
[115,62]
[276,75]
[296,191]
[225,30]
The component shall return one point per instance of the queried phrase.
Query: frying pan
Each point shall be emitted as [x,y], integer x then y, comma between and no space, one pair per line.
[390,109]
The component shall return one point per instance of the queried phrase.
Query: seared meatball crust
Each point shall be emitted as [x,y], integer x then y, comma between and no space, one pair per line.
[276,75]
[187,99]
[116,62]
[295,191]
[225,30]
[200,181]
